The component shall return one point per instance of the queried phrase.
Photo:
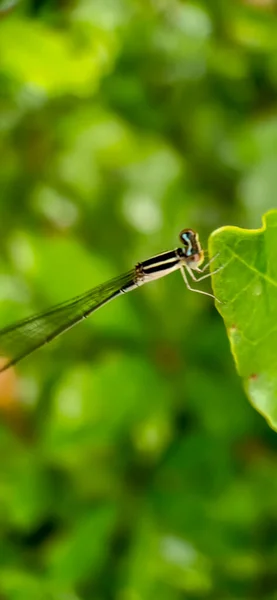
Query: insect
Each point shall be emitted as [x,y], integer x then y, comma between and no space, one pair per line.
[25,336]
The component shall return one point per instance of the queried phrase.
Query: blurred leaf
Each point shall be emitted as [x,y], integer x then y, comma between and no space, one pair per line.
[83,549]
[18,584]
[170,559]
[59,63]
[247,288]
[28,493]
[253,29]
[95,406]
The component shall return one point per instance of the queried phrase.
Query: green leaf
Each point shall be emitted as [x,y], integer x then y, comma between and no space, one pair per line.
[247,290]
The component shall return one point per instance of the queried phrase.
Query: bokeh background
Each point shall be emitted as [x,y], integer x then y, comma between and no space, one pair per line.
[132,466]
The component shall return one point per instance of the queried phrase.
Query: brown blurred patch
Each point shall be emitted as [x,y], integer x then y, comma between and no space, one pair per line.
[261,3]
[11,410]
[253,450]
[167,358]
[7,387]
[6,10]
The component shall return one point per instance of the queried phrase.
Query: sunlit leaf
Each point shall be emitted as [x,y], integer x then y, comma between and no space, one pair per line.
[247,290]
[50,61]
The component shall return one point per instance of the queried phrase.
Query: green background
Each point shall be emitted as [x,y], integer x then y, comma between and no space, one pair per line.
[132,465]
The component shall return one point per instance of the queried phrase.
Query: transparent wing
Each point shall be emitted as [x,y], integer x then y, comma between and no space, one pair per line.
[22,338]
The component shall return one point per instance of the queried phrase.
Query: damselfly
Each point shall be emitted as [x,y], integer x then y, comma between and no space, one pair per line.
[22,338]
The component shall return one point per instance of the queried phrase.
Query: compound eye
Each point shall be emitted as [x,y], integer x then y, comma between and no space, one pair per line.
[187,236]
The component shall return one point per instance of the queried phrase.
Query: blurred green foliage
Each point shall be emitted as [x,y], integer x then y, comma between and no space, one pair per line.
[132,465]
